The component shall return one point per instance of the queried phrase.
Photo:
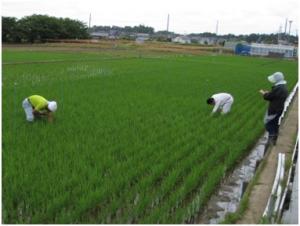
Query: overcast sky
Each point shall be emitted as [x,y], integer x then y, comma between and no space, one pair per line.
[186,16]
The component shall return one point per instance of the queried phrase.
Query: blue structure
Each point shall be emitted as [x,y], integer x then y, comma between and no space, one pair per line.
[242,49]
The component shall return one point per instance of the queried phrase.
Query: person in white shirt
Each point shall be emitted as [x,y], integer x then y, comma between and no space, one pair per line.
[221,101]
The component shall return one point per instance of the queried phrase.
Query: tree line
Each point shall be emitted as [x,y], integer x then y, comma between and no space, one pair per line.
[126,29]
[38,28]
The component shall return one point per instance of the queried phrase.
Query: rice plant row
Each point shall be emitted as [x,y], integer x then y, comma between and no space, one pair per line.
[133,140]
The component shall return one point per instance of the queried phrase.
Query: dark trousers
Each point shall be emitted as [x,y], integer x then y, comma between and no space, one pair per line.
[272,127]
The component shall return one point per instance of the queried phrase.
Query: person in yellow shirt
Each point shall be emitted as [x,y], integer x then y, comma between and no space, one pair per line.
[36,106]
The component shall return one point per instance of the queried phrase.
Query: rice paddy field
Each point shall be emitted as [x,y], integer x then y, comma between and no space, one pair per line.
[133,140]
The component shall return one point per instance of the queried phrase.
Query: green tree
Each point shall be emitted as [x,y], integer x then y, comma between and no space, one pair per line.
[9,29]
[143,29]
[38,28]
[252,38]
[73,29]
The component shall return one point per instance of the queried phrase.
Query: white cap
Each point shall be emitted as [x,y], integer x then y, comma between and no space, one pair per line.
[276,77]
[52,106]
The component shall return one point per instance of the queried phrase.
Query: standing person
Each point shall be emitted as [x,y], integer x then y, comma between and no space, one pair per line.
[221,101]
[276,98]
[37,106]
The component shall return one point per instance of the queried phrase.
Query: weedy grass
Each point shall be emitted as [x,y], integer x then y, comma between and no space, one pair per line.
[132,141]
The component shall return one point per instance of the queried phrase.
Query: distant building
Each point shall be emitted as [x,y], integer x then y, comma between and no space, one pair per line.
[197,39]
[269,50]
[230,45]
[207,40]
[182,39]
[112,34]
[242,49]
[283,42]
[286,51]
[164,36]
[99,34]
[141,37]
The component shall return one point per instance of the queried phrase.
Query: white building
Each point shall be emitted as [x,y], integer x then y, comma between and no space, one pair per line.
[182,39]
[99,34]
[141,37]
[207,40]
[258,49]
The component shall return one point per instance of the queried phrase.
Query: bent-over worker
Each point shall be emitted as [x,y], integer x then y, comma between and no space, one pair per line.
[221,101]
[36,106]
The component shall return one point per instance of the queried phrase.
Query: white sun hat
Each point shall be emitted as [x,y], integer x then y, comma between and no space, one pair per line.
[52,106]
[276,77]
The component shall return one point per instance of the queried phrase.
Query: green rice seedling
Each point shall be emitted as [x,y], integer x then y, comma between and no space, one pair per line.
[132,140]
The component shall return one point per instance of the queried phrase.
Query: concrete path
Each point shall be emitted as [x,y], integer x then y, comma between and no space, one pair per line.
[286,140]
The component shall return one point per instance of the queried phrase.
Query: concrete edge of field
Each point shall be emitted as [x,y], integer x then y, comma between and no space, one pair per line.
[259,194]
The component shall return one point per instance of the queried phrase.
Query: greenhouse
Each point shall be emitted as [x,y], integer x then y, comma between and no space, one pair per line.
[273,50]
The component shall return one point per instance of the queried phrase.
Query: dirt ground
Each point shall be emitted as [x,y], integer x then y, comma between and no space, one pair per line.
[97,45]
[259,195]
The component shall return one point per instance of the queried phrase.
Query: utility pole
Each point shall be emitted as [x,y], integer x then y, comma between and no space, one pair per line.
[279,33]
[290,26]
[168,20]
[90,19]
[286,20]
[217,27]
[289,38]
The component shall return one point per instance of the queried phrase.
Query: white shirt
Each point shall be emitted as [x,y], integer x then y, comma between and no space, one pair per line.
[220,100]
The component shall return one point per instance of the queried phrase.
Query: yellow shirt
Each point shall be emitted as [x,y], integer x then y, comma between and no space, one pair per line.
[38,102]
